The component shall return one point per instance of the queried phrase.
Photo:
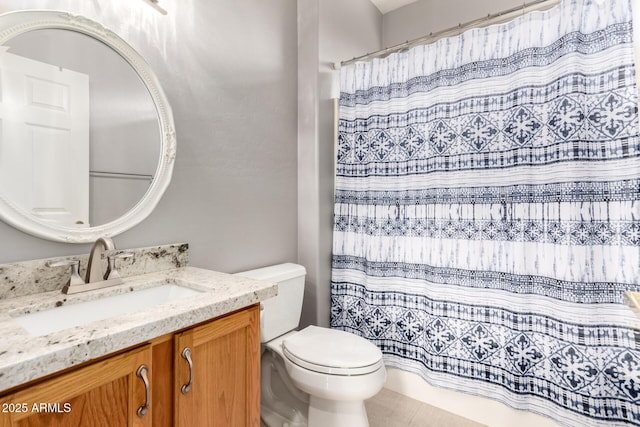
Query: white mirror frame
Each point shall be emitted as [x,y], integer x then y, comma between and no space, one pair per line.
[15,23]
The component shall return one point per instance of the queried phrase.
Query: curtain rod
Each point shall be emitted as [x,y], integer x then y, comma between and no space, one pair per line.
[492,18]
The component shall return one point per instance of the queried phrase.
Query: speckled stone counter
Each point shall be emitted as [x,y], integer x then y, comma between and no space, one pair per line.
[24,357]
[32,277]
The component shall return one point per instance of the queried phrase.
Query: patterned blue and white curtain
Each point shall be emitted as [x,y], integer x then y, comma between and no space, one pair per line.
[487,216]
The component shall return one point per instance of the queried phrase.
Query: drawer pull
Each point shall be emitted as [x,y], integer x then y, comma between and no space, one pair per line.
[186,354]
[142,373]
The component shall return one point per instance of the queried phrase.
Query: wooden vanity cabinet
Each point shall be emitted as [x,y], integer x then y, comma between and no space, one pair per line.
[107,393]
[224,390]
[217,372]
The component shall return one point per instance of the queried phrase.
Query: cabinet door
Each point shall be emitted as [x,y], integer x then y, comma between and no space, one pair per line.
[217,372]
[108,393]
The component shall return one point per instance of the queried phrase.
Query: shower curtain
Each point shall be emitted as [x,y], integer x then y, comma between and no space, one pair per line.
[487,213]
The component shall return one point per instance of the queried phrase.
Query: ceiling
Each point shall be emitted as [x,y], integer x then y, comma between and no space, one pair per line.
[385,6]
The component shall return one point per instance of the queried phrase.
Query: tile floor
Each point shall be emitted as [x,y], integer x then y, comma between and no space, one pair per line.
[391,409]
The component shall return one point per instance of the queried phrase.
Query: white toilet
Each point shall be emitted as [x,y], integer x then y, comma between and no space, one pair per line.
[316,377]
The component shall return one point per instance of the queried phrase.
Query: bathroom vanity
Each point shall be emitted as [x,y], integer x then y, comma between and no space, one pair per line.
[192,361]
[111,391]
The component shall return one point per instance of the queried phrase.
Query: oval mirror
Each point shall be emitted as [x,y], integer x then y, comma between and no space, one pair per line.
[87,141]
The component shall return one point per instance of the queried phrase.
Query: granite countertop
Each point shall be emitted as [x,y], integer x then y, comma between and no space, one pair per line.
[24,357]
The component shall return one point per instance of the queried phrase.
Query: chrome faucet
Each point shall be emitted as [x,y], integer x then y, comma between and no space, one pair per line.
[95,277]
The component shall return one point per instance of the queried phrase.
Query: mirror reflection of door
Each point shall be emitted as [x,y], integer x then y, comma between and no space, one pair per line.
[44,139]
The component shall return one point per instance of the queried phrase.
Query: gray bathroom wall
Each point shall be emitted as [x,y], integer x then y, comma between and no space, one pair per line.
[229,70]
[329,31]
[425,16]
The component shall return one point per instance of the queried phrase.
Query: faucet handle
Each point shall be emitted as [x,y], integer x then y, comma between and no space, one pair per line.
[112,272]
[75,278]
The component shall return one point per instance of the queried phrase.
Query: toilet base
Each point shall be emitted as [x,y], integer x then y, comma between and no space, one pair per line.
[323,413]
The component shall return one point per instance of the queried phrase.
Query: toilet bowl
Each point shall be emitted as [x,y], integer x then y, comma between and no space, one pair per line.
[338,370]
[314,377]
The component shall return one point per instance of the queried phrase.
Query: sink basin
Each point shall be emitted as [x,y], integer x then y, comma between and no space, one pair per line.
[68,316]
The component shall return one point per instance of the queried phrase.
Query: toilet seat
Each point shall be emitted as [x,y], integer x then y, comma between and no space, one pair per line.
[333,352]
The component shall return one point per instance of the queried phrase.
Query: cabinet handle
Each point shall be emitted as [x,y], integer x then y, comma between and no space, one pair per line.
[186,354]
[142,373]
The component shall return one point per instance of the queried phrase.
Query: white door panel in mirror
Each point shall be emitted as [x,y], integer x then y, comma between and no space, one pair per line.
[45,139]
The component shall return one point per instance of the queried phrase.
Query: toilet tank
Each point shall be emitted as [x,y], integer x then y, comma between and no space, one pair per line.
[280,314]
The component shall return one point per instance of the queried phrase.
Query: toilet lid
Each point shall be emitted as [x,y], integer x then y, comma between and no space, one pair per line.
[332,352]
